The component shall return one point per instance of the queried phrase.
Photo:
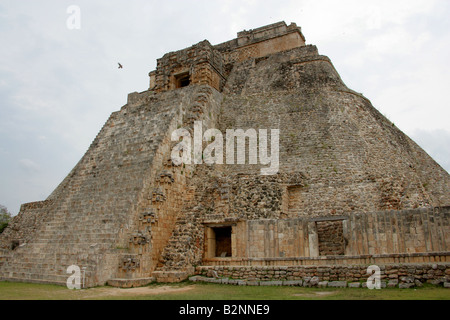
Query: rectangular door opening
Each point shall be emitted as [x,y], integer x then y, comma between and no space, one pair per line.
[182,80]
[219,243]
[223,242]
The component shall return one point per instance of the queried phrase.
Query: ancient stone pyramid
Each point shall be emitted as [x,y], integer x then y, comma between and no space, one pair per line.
[351,188]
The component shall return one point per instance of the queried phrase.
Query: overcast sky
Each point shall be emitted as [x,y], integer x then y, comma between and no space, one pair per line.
[58,86]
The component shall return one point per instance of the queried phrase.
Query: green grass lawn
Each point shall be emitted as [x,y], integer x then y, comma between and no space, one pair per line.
[195,291]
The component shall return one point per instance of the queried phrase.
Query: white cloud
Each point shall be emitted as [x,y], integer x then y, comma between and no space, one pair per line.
[329,19]
[397,41]
[29,166]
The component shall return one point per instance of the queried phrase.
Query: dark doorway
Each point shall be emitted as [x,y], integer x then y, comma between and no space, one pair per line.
[14,244]
[223,242]
[183,80]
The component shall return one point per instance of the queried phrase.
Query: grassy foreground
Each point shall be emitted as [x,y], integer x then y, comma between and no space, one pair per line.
[191,291]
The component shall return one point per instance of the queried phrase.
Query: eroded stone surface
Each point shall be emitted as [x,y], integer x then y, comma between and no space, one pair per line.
[351,188]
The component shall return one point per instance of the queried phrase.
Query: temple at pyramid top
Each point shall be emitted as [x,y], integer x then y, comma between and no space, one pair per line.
[204,63]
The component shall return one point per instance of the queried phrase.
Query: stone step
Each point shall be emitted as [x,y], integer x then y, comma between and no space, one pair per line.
[40,281]
[57,241]
[41,263]
[26,268]
[27,273]
[37,263]
[81,238]
[130,283]
[35,278]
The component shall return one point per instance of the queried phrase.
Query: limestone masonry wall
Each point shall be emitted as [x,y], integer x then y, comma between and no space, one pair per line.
[350,188]
[387,232]
[338,157]
[402,275]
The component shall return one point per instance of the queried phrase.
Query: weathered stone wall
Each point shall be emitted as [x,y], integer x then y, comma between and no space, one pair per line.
[410,231]
[377,233]
[391,275]
[201,62]
[347,152]
[22,228]
[331,239]
[261,42]
[338,155]
[167,191]
[276,238]
[384,232]
[346,175]
[211,65]
[94,219]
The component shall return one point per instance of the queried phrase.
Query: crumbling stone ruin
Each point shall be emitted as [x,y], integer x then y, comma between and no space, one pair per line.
[351,191]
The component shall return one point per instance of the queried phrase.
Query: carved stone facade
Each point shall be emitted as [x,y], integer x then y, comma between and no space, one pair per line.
[351,189]
[204,63]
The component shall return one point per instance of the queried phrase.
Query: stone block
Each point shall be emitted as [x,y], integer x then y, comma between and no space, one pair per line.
[314,281]
[354,285]
[406,285]
[437,282]
[298,283]
[211,280]
[233,281]
[271,283]
[337,284]
[170,276]
[392,283]
[212,274]
[195,278]
[130,283]
[408,279]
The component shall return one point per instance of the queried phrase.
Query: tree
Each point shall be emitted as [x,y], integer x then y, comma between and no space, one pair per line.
[5,217]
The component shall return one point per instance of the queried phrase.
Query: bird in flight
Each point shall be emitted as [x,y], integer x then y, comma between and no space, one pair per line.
[120,66]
